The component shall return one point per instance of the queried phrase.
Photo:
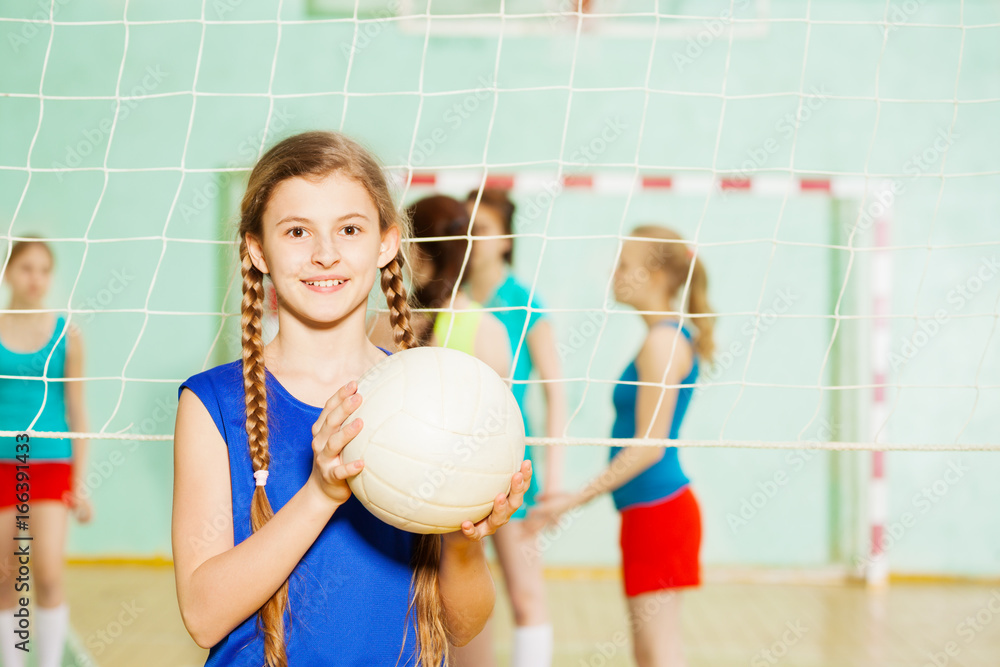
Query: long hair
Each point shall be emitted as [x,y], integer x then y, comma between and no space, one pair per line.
[436,217]
[20,247]
[674,259]
[498,200]
[316,155]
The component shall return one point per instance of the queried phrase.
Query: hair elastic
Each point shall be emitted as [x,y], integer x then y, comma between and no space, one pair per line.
[261,477]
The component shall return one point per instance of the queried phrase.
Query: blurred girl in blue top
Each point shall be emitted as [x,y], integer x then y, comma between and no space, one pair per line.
[37,344]
[660,519]
[532,341]
[302,574]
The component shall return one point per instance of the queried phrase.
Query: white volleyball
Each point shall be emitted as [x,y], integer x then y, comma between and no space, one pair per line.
[442,436]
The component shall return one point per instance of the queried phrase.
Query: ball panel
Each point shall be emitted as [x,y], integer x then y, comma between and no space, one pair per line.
[387,372]
[382,495]
[421,385]
[416,439]
[515,430]
[462,390]
[411,525]
[423,482]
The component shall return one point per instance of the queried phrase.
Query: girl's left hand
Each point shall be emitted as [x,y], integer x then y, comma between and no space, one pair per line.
[503,507]
[550,506]
[80,506]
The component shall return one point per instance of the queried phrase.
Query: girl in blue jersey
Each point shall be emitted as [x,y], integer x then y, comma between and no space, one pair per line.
[36,344]
[660,520]
[491,283]
[276,563]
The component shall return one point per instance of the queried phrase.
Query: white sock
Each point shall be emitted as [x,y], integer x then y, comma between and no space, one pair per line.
[12,657]
[51,625]
[532,646]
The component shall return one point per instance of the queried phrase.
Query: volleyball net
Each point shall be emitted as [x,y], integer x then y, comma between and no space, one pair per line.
[844,208]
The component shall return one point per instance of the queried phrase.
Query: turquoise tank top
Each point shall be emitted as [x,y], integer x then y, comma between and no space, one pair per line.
[513,295]
[349,595]
[665,477]
[21,399]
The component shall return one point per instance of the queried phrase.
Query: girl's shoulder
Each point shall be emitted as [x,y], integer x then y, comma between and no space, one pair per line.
[218,380]
[220,390]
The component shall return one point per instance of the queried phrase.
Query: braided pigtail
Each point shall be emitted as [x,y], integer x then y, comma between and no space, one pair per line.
[271,617]
[432,638]
[399,306]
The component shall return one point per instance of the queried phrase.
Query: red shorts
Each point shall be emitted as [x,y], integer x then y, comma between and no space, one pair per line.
[46,481]
[660,544]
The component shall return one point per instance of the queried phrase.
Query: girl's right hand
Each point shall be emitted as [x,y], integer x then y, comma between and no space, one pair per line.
[330,436]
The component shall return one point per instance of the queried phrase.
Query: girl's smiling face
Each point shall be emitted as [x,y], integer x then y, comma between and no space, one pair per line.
[322,246]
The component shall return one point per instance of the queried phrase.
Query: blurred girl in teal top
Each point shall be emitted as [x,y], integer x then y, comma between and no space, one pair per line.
[34,346]
[532,341]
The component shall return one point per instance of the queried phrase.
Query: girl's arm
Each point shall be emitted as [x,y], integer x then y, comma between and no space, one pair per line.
[493,345]
[466,585]
[220,585]
[545,357]
[650,422]
[76,418]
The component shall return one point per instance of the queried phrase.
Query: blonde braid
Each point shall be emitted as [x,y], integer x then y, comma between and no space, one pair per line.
[396,300]
[271,617]
[432,637]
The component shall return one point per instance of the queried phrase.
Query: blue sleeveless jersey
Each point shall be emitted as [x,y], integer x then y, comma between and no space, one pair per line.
[349,595]
[20,400]
[665,477]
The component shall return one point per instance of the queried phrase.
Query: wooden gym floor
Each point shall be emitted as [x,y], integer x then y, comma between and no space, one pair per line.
[126,615]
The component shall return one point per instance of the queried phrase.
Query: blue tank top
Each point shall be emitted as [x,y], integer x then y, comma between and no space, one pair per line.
[665,477]
[20,400]
[349,595]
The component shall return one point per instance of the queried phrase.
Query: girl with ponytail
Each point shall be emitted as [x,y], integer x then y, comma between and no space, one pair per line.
[660,276]
[276,563]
